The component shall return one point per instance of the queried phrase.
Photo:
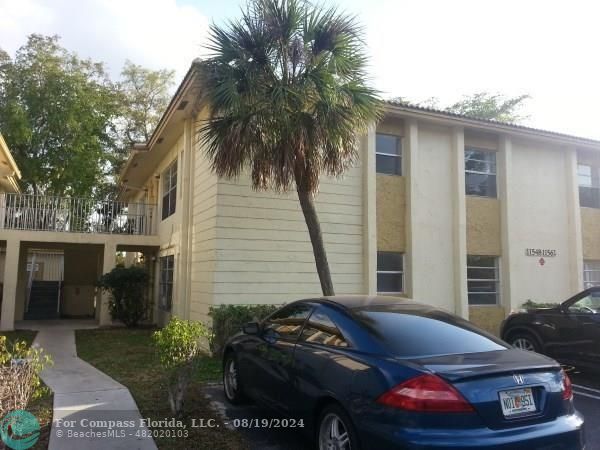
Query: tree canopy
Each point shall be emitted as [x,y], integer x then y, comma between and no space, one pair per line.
[481,105]
[288,98]
[55,113]
[68,125]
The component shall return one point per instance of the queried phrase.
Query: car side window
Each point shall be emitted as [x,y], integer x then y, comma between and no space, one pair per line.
[589,304]
[320,329]
[287,322]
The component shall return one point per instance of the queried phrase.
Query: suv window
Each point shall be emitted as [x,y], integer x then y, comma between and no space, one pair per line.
[320,329]
[590,304]
[287,322]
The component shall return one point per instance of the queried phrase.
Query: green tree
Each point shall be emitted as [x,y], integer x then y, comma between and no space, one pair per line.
[287,95]
[484,105]
[55,113]
[145,96]
[481,105]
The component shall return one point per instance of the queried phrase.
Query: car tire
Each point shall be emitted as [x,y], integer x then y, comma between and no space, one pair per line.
[232,385]
[335,426]
[525,341]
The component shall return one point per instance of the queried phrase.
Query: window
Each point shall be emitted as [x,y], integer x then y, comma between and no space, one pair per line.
[388,154]
[320,329]
[482,280]
[287,322]
[480,173]
[590,304]
[390,272]
[591,274]
[167,265]
[169,193]
[589,186]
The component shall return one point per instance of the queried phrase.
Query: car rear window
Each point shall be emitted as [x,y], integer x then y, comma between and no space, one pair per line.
[408,334]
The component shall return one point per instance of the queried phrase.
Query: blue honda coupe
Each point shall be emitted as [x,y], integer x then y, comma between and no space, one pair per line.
[387,373]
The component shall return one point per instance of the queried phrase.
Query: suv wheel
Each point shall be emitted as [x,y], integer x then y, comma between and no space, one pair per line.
[231,380]
[525,341]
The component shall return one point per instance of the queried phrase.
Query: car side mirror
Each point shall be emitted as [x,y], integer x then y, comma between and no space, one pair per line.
[252,328]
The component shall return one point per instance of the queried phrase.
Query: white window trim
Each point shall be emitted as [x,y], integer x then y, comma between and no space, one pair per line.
[393,272]
[166,177]
[496,281]
[395,155]
[586,270]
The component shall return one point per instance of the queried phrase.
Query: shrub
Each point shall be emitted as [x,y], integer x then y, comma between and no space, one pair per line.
[179,345]
[227,320]
[531,304]
[126,286]
[20,366]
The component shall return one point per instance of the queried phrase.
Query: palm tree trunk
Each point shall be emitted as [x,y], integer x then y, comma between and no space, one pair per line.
[316,239]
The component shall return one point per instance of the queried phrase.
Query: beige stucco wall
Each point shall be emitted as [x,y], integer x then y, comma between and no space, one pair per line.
[432,211]
[539,218]
[590,232]
[487,317]
[391,213]
[483,226]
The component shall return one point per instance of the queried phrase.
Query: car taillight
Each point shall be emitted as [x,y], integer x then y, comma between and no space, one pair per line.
[425,393]
[567,393]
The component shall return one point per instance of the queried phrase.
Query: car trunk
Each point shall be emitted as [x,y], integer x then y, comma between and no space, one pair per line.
[513,377]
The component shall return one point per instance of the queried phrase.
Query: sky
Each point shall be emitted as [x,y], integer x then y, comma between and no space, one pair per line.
[418,48]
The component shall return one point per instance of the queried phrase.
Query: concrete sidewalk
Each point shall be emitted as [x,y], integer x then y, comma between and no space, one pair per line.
[91,410]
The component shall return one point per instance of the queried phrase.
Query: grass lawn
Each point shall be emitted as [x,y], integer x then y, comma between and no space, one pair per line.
[40,407]
[128,356]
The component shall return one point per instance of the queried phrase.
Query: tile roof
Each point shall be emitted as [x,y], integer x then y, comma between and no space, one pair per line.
[427,109]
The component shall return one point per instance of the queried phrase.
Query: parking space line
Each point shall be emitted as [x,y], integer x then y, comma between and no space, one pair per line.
[583,394]
[585,388]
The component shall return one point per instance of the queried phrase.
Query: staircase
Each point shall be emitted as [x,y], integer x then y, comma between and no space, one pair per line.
[43,300]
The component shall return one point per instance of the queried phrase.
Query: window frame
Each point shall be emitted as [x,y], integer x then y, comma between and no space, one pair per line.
[399,155]
[323,310]
[478,172]
[286,337]
[165,283]
[496,280]
[593,188]
[392,272]
[586,263]
[168,187]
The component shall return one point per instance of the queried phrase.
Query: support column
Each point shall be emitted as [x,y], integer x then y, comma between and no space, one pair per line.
[459,212]
[108,263]
[410,160]
[9,293]
[506,220]
[574,216]
[184,273]
[369,211]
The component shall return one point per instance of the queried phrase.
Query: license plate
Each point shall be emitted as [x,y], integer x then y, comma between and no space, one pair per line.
[517,401]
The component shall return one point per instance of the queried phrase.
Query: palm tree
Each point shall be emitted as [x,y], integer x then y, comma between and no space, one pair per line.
[287,93]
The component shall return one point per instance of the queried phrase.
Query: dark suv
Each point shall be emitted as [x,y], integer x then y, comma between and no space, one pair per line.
[569,332]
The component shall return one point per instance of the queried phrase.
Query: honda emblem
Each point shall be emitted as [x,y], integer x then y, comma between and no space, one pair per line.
[519,379]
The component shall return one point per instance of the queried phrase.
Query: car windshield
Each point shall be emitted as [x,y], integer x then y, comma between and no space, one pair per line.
[409,333]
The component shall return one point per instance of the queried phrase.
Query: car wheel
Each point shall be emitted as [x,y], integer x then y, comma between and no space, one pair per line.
[231,380]
[525,341]
[336,430]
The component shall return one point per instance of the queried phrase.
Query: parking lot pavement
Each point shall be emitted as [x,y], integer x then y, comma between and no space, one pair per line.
[587,401]
[259,438]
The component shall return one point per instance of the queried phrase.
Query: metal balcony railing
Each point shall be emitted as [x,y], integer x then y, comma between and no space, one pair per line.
[75,215]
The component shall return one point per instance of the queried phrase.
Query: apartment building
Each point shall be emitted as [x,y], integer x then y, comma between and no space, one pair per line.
[469,215]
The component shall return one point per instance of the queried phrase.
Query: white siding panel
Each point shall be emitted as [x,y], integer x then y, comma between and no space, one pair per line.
[263,252]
